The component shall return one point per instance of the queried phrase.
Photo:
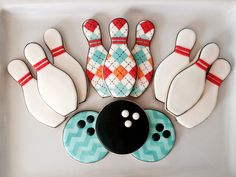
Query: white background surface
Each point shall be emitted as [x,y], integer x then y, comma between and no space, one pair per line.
[28,148]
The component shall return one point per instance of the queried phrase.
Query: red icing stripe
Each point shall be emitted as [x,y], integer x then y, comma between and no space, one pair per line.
[94,43]
[119,40]
[182,50]
[58,51]
[41,64]
[25,79]
[214,79]
[143,42]
[202,64]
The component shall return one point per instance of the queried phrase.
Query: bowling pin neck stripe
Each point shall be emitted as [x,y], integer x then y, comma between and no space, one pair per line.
[41,64]
[26,78]
[143,42]
[202,64]
[94,43]
[119,40]
[58,51]
[214,79]
[182,50]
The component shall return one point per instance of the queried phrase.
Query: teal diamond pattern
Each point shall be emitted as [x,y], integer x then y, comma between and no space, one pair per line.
[119,55]
[140,57]
[99,57]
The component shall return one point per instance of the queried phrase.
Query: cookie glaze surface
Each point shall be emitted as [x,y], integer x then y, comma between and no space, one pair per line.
[122,127]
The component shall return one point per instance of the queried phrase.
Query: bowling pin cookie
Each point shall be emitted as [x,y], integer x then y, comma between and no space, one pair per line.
[219,70]
[161,138]
[96,57]
[188,85]
[120,68]
[80,139]
[122,127]
[142,55]
[64,61]
[55,86]
[173,63]
[35,104]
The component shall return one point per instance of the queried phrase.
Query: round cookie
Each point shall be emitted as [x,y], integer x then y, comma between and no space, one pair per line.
[161,138]
[122,127]
[80,139]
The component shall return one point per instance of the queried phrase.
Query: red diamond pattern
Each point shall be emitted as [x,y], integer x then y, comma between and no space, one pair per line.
[89,74]
[119,22]
[106,72]
[91,25]
[147,26]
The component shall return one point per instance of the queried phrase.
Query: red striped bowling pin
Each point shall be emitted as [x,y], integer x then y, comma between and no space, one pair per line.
[66,62]
[173,63]
[35,104]
[204,107]
[55,87]
[188,85]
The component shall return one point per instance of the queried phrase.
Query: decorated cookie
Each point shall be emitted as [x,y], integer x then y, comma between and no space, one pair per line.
[66,62]
[120,68]
[96,57]
[161,138]
[173,63]
[188,85]
[143,58]
[122,127]
[80,138]
[35,104]
[55,86]
[198,113]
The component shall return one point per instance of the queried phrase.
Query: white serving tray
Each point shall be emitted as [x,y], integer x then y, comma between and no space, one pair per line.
[31,149]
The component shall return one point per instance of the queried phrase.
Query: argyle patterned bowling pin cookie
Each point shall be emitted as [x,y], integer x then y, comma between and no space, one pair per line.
[80,139]
[161,138]
[120,68]
[96,57]
[142,55]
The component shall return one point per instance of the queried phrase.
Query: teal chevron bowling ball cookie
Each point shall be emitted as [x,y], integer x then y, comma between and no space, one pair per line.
[160,140]
[122,127]
[80,139]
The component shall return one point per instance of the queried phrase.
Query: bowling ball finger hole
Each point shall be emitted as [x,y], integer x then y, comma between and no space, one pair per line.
[90,119]
[81,124]
[135,116]
[166,134]
[90,131]
[155,137]
[125,113]
[159,127]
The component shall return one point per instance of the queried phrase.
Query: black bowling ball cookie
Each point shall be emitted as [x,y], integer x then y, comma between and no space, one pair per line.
[122,127]
[80,139]
[160,140]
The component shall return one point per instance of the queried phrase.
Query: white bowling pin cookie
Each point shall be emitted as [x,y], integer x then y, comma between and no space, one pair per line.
[35,104]
[96,57]
[142,55]
[188,85]
[173,63]
[204,107]
[120,68]
[55,87]
[64,61]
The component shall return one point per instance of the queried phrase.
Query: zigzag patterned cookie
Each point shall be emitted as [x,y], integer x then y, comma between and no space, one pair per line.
[142,54]
[119,69]
[80,139]
[96,57]
[160,140]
